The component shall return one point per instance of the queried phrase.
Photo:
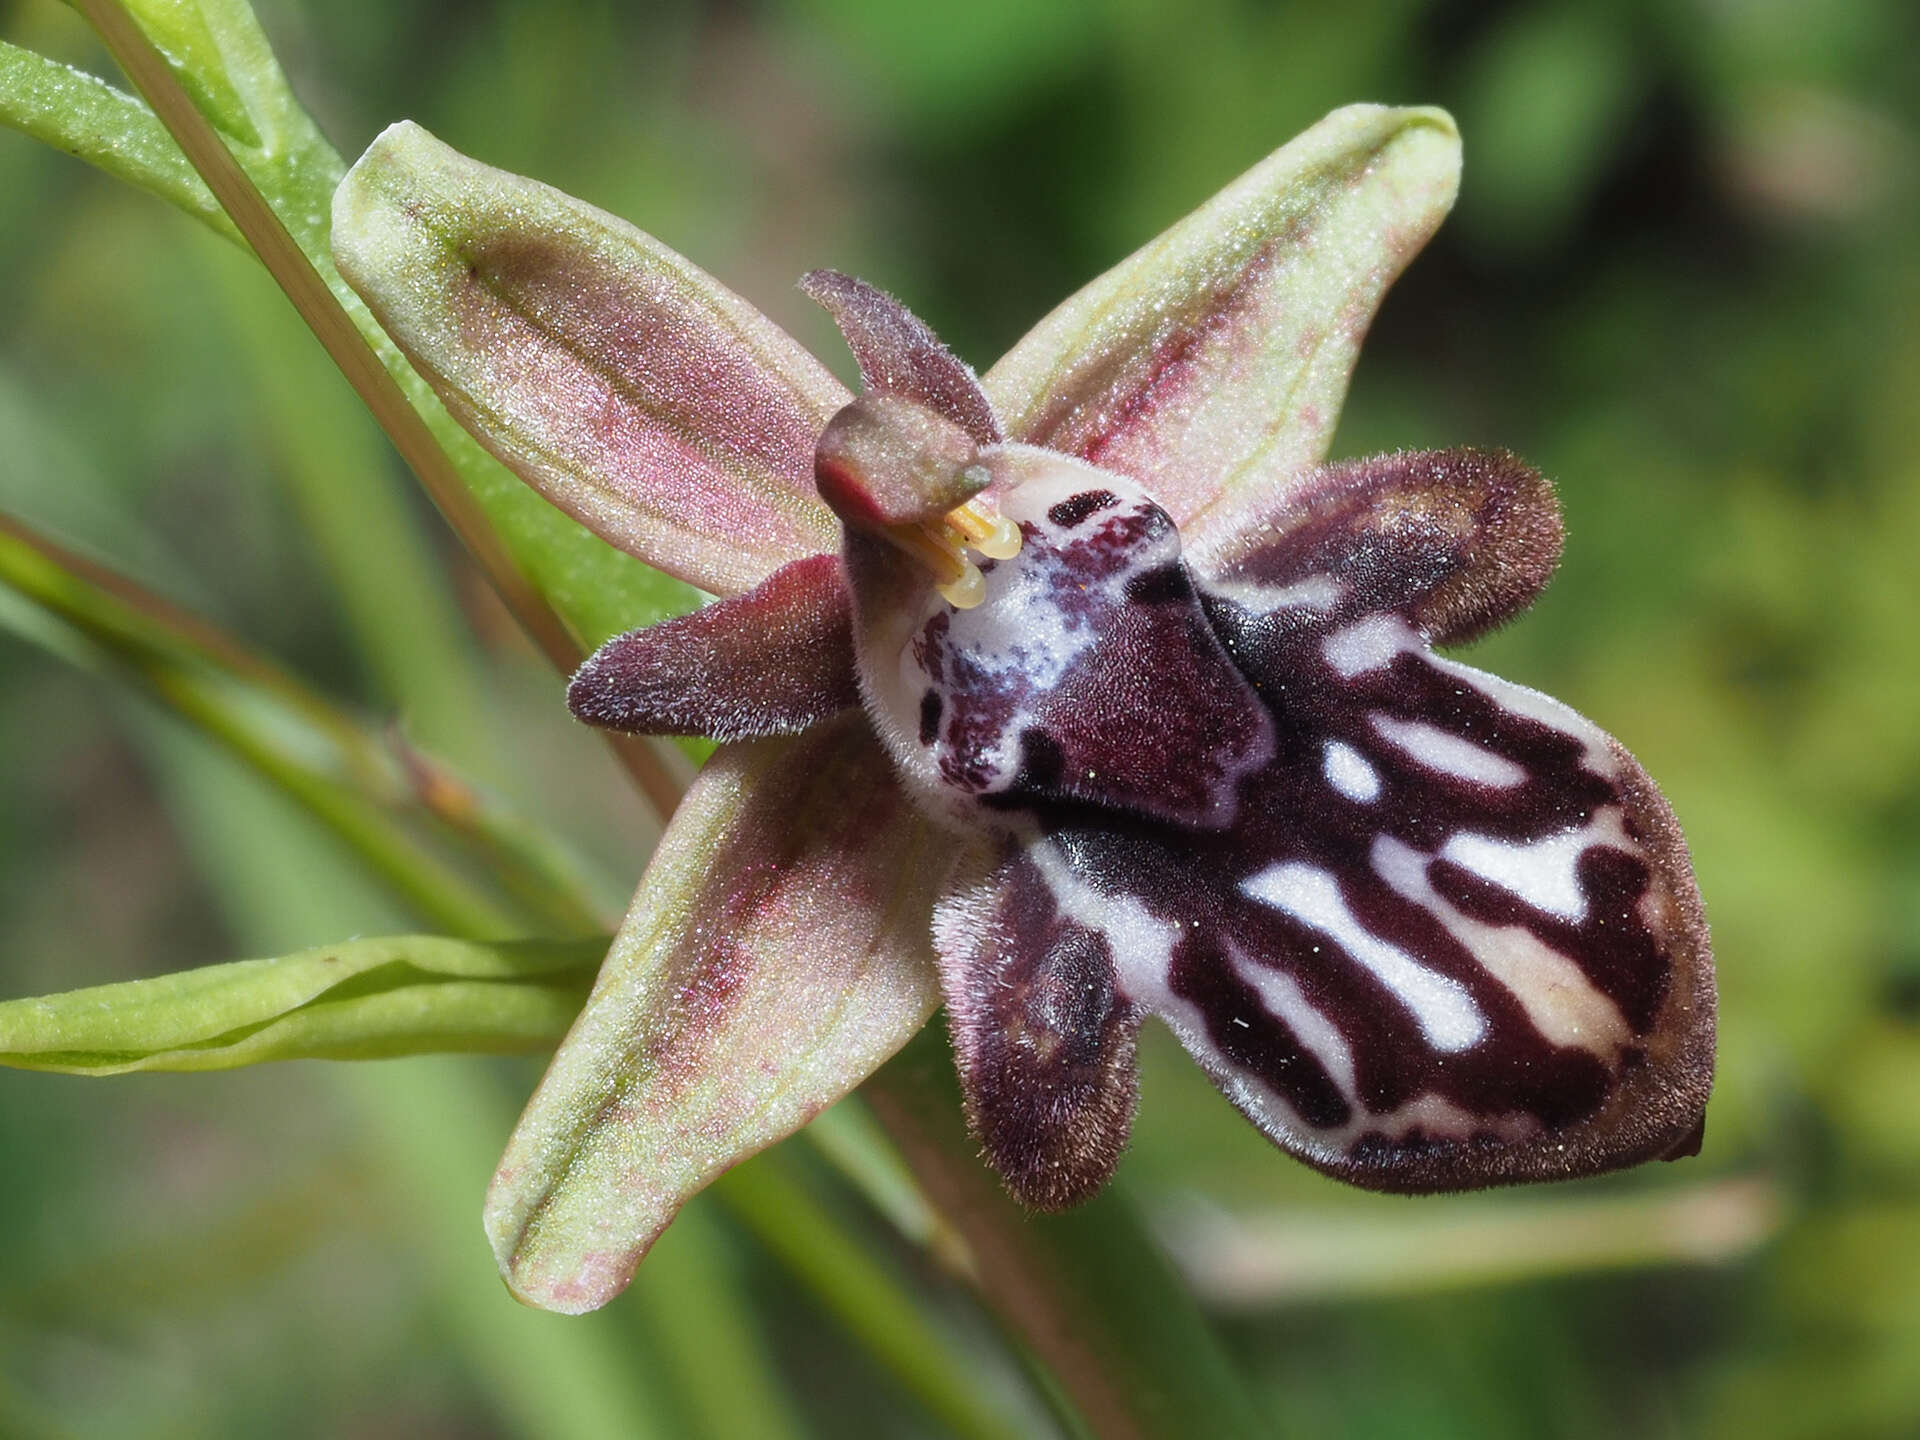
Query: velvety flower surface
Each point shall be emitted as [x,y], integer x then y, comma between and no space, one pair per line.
[1085,687]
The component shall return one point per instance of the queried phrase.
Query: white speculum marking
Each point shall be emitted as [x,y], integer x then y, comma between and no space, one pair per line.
[1446,753]
[1367,644]
[1542,709]
[1280,994]
[1541,872]
[1446,1012]
[1561,1002]
[1318,593]
[1350,772]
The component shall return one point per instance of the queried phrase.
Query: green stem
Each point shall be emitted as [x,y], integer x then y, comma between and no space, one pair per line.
[301,281]
[786,1219]
[1087,1290]
[344,771]
[297,275]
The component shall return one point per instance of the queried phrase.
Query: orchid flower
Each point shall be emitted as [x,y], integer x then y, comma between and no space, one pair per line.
[1081,692]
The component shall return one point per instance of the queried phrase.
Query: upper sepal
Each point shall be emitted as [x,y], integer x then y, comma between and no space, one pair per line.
[618,379]
[1211,364]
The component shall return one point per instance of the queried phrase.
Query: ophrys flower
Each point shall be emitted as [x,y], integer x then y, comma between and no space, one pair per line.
[1186,751]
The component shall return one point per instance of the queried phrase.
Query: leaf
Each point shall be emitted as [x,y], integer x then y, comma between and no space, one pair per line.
[365,999]
[106,127]
[359,780]
[1211,364]
[775,954]
[198,39]
[612,375]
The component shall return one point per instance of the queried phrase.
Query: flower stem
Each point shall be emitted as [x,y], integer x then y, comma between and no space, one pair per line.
[310,295]
[1087,1291]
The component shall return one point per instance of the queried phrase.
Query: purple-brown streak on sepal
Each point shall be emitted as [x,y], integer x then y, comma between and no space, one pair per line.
[773,661]
[615,377]
[1212,362]
[775,954]
[896,351]
[1457,541]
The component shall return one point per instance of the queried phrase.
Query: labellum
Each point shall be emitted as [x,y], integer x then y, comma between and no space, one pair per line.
[1427,929]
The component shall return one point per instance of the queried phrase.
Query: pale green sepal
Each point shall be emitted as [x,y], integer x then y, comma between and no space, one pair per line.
[1211,364]
[618,379]
[360,1000]
[776,953]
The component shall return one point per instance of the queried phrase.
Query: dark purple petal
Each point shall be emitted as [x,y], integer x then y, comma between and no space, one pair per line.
[1456,541]
[770,662]
[1044,1039]
[898,352]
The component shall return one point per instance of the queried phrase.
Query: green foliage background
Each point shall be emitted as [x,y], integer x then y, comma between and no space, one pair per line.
[1684,278]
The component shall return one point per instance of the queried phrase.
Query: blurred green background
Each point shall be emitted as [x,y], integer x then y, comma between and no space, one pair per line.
[1683,278]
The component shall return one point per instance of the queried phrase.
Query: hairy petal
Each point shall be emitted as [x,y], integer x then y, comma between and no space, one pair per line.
[898,352]
[619,380]
[1211,364]
[1455,541]
[770,662]
[776,953]
[1042,1034]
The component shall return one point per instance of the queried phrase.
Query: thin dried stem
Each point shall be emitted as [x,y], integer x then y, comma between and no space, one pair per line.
[308,291]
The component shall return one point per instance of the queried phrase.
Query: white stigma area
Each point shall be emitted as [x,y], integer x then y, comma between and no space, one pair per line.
[1350,772]
[1447,754]
[1541,872]
[1446,1012]
[1367,644]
